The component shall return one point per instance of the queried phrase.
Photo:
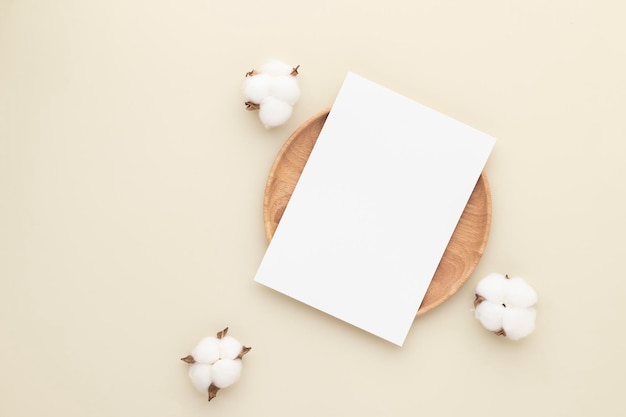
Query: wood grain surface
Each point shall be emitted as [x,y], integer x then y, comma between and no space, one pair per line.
[462,253]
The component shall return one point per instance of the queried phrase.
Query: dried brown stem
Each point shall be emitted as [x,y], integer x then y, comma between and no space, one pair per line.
[222,333]
[188,359]
[252,106]
[245,350]
[294,70]
[479,299]
[212,391]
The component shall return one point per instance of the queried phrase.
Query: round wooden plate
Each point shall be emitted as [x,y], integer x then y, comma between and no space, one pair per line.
[464,249]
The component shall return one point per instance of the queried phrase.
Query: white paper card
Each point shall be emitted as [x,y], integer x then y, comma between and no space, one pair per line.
[374,209]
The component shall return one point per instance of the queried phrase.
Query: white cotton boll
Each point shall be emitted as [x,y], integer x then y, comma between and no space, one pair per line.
[519,293]
[207,351]
[200,376]
[257,87]
[208,371]
[275,68]
[493,288]
[490,315]
[518,322]
[230,347]
[274,112]
[226,372]
[285,88]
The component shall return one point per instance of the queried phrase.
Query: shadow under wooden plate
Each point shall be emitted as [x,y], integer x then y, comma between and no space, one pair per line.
[462,253]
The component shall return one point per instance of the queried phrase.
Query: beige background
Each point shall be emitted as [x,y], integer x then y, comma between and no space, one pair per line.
[131,186]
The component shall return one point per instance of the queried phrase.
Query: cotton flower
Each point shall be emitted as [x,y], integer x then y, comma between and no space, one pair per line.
[215,363]
[274,112]
[272,89]
[505,305]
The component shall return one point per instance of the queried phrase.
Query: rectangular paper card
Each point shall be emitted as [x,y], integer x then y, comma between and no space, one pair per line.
[374,209]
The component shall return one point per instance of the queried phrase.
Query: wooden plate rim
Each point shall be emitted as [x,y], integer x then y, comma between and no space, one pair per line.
[459,281]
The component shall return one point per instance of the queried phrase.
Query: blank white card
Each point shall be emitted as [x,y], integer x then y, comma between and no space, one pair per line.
[374,209]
